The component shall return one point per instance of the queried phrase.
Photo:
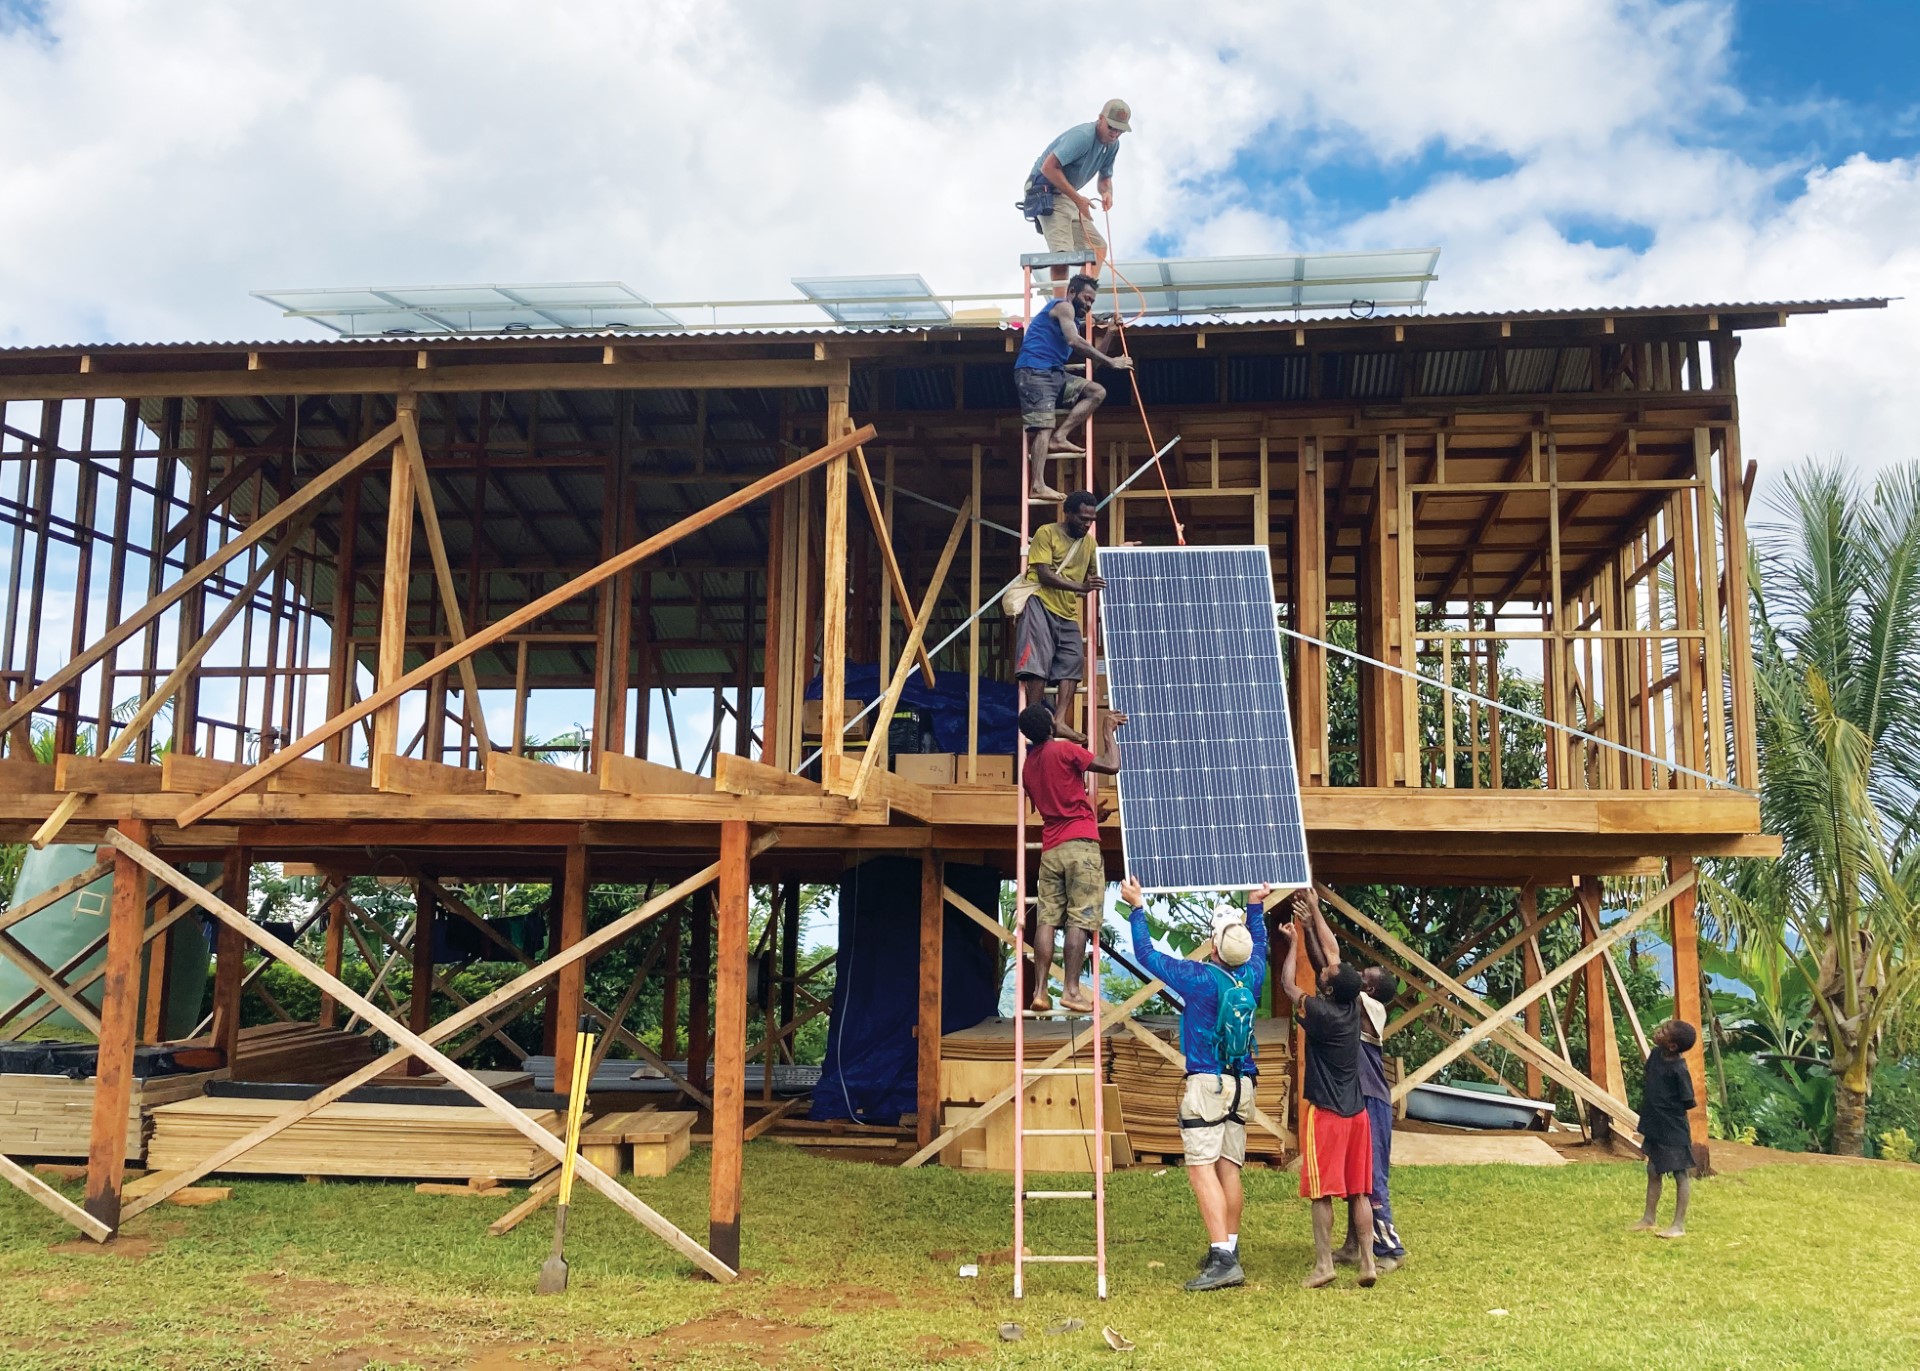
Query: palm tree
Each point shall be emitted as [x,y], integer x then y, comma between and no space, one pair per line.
[1836,595]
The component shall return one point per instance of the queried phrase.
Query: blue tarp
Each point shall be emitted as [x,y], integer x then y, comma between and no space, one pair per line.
[945,702]
[871,1069]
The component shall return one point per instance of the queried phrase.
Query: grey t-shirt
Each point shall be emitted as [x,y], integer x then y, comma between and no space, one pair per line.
[1082,155]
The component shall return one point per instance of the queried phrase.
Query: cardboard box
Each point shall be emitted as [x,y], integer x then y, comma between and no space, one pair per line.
[810,718]
[992,769]
[925,768]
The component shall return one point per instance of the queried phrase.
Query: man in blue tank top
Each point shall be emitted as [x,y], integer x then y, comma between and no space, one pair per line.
[1041,382]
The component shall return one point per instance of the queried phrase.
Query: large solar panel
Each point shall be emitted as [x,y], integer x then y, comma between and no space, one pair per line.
[580,307]
[1209,796]
[1194,287]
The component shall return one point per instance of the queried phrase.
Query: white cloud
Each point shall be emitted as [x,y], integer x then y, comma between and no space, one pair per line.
[159,161]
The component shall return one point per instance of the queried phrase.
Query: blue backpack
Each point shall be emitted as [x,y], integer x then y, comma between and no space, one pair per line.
[1233,1039]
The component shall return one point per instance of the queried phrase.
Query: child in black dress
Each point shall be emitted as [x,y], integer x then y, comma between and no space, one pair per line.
[1666,1137]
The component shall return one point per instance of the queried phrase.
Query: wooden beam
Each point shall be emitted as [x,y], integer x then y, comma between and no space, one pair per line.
[420,989]
[1687,1006]
[570,987]
[733,775]
[173,594]
[395,579]
[53,894]
[730,1033]
[409,421]
[908,797]
[896,582]
[915,636]
[624,775]
[411,776]
[511,775]
[119,1022]
[45,1195]
[417,1044]
[525,615]
[230,959]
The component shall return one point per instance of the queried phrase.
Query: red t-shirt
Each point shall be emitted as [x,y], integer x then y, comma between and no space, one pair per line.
[1054,777]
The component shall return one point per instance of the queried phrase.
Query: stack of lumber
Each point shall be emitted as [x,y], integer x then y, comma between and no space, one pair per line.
[301,1052]
[51,1116]
[1150,1088]
[348,1139]
[639,1142]
[977,1063]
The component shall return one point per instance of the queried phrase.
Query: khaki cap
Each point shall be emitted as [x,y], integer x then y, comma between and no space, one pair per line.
[1233,945]
[1119,115]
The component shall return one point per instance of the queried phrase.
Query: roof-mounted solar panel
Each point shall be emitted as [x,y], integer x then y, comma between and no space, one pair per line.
[874,299]
[1191,286]
[577,307]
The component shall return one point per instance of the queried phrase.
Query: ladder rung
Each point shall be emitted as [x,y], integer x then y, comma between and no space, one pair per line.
[1056,1013]
[1058,1070]
[1059,1194]
[1062,1261]
[1057,1132]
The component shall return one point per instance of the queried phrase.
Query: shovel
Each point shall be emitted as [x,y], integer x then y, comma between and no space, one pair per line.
[553,1271]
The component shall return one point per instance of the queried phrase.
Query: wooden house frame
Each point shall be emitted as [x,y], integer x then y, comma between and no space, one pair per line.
[359,539]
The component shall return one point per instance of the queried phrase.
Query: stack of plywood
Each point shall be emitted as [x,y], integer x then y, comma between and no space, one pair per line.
[50,1116]
[346,1139]
[977,1063]
[1150,1088]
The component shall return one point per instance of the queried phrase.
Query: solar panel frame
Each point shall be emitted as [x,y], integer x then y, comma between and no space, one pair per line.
[1164,642]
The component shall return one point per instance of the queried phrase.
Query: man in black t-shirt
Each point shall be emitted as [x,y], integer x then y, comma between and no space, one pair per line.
[1336,1143]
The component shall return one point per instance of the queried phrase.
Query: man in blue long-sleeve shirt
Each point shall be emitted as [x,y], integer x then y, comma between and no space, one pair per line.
[1218,1094]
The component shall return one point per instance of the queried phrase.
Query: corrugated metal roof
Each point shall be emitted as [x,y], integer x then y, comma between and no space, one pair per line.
[1234,324]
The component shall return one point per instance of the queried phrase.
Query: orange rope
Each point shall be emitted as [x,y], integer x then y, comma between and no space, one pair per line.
[1179,532]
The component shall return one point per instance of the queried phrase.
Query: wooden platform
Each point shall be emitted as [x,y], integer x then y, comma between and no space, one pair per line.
[299,1052]
[413,1142]
[638,1142]
[1473,1149]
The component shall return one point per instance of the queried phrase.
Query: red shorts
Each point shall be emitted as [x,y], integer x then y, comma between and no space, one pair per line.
[1336,1155]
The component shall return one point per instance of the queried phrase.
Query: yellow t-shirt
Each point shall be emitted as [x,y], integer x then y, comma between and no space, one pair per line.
[1073,558]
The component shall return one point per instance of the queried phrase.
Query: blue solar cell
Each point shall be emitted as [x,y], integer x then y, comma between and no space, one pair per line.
[1209,795]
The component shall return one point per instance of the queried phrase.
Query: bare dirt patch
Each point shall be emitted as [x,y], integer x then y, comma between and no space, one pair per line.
[65,1294]
[759,1341]
[295,1294]
[800,1301]
[929,1347]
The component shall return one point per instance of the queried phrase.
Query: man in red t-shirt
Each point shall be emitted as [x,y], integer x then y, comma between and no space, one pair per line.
[1073,875]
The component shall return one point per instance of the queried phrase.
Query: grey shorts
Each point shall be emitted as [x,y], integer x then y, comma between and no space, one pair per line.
[1043,394]
[1047,646]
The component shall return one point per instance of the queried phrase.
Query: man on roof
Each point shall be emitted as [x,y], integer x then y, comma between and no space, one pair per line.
[1051,196]
[1071,884]
[1220,994]
[1040,380]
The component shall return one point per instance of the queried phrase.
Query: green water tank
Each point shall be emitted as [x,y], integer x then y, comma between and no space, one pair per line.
[66,927]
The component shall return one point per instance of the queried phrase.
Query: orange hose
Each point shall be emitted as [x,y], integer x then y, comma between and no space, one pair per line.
[1179,532]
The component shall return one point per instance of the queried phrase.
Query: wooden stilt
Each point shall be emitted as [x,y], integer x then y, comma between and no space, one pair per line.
[230,957]
[932,921]
[1603,1048]
[730,1041]
[1687,1006]
[570,986]
[420,1004]
[670,999]
[335,948]
[1530,972]
[700,990]
[119,1021]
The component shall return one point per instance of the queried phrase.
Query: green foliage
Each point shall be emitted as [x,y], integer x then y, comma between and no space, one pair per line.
[1895,1145]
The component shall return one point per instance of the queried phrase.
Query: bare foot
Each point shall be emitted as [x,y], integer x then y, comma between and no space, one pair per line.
[1072,735]
[1079,1004]
[1317,1278]
[1369,1273]
[1041,1004]
[1643,1226]
[1671,1233]
[1347,1256]
[1044,494]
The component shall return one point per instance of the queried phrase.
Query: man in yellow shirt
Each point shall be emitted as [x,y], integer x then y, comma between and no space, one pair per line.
[1048,647]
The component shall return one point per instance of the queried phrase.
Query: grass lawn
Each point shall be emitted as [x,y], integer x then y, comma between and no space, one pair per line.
[854,1265]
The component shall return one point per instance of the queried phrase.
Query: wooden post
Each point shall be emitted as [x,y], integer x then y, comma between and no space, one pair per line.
[420,1005]
[790,960]
[1687,1006]
[329,1016]
[393,606]
[833,594]
[119,1020]
[1530,973]
[730,1043]
[1603,1048]
[670,999]
[153,997]
[570,986]
[700,990]
[230,956]
[932,922]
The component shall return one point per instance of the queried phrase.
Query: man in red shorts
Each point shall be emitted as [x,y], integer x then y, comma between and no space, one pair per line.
[1336,1142]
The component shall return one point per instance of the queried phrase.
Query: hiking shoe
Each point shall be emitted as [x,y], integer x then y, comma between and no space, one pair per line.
[1222,1270]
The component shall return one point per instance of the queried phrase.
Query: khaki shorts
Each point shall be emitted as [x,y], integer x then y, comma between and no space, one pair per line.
[1073,881]
[1066,231]
[1207,1133]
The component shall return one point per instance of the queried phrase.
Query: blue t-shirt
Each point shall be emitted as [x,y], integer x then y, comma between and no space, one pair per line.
[1082,155]
[1045,347]
[1199,985]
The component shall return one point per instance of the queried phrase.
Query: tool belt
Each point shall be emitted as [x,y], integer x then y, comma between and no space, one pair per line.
[1037,204]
